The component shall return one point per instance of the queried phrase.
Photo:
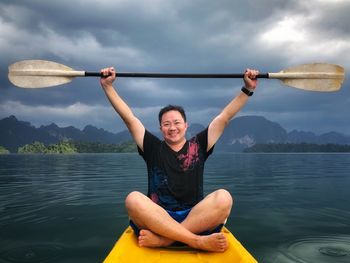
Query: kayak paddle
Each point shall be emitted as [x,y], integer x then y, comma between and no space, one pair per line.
[41,74]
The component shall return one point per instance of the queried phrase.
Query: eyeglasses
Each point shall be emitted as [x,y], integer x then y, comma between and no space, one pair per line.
[168,124]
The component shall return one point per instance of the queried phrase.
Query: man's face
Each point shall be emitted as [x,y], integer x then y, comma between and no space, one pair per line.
[173,127]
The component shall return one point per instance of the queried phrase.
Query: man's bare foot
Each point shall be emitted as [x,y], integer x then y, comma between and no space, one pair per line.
[215,242]
[149,239]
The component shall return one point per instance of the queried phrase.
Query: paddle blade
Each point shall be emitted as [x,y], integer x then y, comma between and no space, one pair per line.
[39,74]
[313,77]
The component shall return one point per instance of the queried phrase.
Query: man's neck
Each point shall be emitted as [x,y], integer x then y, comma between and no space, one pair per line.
[176,146]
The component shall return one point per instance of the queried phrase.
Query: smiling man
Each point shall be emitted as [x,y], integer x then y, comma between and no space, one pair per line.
[174,208]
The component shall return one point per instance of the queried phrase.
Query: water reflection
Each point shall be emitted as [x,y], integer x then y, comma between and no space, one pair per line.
[324,249]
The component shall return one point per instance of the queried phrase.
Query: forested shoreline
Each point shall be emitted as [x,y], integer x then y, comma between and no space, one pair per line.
[70,147]
[297,148]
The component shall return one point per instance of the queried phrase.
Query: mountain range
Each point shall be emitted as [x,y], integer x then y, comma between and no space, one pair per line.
[241,133]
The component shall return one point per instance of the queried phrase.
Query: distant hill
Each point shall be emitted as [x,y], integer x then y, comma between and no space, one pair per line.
[247,131]
[242,132]
[298,148]
[88,134]
[15,133]
[326,138]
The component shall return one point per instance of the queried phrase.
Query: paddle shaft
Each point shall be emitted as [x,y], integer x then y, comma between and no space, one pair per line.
[174,75]
[297,75]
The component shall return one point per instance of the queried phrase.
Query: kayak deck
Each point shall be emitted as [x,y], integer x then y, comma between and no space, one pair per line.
[127,250]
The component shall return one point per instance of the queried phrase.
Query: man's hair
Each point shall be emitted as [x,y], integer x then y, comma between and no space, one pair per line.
[170,108]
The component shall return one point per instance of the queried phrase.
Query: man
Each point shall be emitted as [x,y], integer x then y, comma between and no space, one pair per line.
[174,209]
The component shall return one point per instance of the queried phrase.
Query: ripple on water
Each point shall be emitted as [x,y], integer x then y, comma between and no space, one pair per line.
[39,253]
[325,249]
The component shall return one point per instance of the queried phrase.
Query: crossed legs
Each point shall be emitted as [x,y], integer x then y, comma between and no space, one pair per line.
[159,229]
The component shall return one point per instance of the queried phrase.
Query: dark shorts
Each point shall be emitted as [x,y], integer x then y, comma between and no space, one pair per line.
[179,216]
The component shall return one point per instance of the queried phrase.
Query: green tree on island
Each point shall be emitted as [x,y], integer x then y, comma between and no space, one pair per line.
[38,147]
[66,147]
[3,150]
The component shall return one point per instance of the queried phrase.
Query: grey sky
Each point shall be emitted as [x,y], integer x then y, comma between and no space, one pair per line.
[175,36]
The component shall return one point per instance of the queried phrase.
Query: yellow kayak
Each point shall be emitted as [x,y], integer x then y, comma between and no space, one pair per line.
[127,250]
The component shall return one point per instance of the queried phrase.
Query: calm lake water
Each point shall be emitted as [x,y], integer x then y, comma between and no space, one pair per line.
[69,208]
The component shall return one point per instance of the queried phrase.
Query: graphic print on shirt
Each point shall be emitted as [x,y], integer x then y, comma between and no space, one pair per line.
[191,158]
[159,189]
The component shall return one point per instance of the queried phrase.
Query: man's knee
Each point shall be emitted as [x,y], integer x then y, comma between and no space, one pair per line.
[223,200]
[134,201]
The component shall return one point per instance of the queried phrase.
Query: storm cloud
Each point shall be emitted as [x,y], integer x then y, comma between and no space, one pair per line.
[175,36]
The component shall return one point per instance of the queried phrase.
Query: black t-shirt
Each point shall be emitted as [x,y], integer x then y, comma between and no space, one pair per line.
[175,179]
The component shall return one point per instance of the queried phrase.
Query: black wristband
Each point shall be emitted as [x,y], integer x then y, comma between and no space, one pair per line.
[247,91]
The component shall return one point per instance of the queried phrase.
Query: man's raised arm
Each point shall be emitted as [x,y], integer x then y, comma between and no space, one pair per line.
[218,124]
[134,125]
